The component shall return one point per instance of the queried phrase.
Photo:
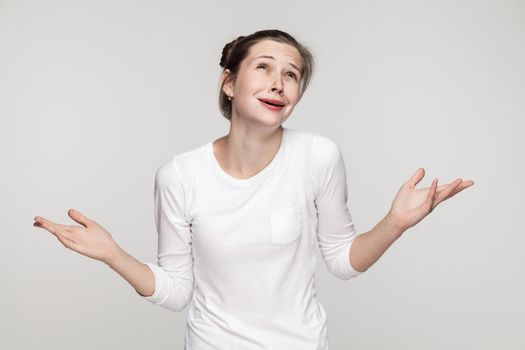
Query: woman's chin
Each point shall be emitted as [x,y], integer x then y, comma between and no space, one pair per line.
[272,120]
[267,118]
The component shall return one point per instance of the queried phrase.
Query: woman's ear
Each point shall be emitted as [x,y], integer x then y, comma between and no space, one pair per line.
[226,78]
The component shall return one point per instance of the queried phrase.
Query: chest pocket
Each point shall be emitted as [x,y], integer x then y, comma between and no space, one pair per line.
[286,225]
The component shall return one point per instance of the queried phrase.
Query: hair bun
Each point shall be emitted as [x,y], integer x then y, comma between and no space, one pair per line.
[226,51]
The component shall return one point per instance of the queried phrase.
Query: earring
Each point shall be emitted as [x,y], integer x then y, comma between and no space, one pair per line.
[229,98]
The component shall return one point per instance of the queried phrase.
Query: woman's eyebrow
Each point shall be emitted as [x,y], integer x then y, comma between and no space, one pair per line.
[266,56]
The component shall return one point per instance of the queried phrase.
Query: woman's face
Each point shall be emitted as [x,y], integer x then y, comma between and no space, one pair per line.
[271,70]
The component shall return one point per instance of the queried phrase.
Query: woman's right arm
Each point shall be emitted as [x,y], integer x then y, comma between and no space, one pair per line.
[94,241]
[169,283]
[139,275]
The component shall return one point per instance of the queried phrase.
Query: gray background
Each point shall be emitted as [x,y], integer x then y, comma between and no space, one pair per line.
[96,95]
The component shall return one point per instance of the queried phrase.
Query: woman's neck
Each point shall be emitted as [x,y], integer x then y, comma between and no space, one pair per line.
[244,152]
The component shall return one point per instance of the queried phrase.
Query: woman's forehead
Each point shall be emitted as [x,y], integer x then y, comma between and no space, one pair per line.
[277,50]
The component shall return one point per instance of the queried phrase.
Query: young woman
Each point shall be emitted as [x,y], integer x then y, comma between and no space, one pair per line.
[239,218]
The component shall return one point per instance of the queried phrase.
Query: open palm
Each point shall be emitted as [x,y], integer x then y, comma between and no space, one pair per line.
[411,205]
[90,239]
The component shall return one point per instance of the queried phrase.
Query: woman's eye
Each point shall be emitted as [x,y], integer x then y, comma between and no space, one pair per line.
[262,65]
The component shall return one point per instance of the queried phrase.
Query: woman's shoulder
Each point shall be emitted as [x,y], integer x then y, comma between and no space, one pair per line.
[189,157]
[320,145]
[183,163]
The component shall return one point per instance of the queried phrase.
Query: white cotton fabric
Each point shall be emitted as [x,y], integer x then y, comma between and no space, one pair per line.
[243,250]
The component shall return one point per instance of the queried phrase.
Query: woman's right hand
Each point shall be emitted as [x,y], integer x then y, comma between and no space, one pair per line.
[90,239]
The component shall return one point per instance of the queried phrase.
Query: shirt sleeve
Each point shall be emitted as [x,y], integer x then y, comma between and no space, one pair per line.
[335,228]
[174,271]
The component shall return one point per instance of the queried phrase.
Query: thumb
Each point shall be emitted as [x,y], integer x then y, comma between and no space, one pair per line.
[416,178]
[79,217]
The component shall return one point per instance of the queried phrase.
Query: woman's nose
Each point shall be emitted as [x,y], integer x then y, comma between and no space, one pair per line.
[277,84]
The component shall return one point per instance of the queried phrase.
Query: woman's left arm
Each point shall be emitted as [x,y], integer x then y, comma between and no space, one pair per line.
[409,207]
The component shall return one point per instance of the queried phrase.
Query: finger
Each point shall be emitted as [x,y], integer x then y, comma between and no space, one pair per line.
[39,219]
[464,184]
[446,193]
[416,178]
[56,229]
[68,228]
[431,196]
[440,188]
[43,222]
[49,226]
[79,217]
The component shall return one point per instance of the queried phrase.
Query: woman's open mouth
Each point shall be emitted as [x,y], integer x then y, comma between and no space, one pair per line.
[271,105]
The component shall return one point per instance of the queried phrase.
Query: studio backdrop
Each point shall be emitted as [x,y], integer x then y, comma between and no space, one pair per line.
[96,95]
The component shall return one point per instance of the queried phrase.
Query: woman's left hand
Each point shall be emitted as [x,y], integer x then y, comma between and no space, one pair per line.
[411,205]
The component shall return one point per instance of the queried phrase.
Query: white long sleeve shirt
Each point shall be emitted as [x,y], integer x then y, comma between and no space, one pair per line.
[243,249]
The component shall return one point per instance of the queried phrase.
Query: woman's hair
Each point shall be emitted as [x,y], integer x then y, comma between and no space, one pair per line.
[236,51]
